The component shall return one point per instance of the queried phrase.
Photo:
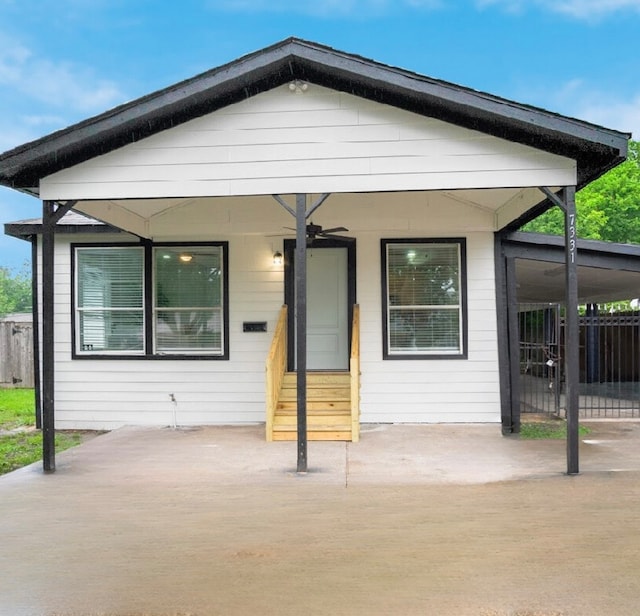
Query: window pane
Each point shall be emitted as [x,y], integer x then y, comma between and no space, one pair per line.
[104,330]
[188,299]
[424,307]
[188,330]
[423,274]
[424,330]
[110,277]
[109,299]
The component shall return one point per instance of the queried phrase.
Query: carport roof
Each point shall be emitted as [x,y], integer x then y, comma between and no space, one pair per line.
[607,271]
[595,149]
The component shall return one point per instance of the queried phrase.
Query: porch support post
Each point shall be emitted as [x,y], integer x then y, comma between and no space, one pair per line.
[572,332]
[301,214]
[48,416]
[301,328]
[50,217]
[513,340]
[36,330]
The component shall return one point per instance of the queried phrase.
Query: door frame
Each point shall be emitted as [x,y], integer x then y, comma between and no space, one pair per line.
[289,288]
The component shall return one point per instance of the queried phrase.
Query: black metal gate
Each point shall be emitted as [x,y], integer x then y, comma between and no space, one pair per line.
[609,361]
[540,359]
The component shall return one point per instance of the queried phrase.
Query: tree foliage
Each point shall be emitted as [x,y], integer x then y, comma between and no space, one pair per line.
[15,291]
[607,209]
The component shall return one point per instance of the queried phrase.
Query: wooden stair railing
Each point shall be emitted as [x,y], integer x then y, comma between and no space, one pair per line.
[276,365]
[354,369]
[333,397]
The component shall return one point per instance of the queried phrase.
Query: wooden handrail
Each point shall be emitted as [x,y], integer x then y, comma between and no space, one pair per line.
[354,369]
[275,368]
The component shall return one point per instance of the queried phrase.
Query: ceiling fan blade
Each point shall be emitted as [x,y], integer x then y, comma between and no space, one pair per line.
[334,230]
[330,236]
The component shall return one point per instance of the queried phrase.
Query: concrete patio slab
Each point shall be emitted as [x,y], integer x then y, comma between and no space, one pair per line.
[439,519]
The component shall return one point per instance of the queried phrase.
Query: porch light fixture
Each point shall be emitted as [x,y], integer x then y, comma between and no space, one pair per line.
[185,257]
[277,258]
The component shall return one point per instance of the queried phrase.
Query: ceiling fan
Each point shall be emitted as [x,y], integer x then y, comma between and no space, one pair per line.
[317,232]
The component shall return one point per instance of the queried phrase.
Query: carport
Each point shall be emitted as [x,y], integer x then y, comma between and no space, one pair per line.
[531,270]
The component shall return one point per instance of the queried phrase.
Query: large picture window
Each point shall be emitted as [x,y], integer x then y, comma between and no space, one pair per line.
[424,298]
[151,301]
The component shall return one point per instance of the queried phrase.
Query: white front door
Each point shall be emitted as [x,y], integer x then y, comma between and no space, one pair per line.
[327,309]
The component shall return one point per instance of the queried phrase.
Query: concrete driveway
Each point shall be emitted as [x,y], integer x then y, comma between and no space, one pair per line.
[441,519]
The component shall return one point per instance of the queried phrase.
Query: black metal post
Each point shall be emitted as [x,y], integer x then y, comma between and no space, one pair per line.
[503,337]
[36,330]
[301,328]
[572,333]
[592,346]
[48,415]
[513,326]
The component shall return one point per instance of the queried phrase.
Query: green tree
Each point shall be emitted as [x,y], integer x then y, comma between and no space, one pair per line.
[15,291]
[608,209]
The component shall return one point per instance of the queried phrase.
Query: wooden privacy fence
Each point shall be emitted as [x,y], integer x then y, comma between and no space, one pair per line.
[16,353]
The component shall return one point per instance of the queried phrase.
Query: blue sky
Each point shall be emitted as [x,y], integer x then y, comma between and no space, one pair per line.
[62,61]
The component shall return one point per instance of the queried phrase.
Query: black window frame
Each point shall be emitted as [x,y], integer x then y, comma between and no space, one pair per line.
[148,304]
[462,244]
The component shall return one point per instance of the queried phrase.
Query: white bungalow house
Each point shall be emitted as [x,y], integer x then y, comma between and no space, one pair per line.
[172,308]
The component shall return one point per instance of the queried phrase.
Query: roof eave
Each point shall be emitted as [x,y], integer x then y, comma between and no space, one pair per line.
[26,230]
[595,148]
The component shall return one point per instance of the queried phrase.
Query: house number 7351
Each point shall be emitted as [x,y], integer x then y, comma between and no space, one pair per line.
[572,237]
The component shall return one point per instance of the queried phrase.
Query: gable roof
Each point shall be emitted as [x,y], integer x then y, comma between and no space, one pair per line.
[596,149]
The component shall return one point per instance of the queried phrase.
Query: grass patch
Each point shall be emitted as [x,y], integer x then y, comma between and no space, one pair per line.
[555,429]
[17,408]
[18,450]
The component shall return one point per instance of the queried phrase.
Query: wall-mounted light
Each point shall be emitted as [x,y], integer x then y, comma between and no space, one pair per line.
[185,257]
[298,86]
[277,258]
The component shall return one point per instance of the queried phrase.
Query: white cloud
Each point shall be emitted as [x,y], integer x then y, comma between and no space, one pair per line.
[623,115]
[578,9]
[582,100]
[12,135]
[46,94]
[324,8]
[43,120]
[66,85]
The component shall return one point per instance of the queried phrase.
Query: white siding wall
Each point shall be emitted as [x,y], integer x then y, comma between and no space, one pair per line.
[318,141]
[425,390]
[108,393]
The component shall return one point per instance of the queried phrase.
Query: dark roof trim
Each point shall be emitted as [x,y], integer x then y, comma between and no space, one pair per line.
[71,223]
[591,253]
[596,149]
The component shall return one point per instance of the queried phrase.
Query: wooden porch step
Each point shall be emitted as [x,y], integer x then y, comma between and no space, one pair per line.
[314,418]
[318,379]
[317,406]
[328,407]
[313,435]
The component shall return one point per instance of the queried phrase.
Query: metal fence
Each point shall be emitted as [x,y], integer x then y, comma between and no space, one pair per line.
[16,353]
[609,361]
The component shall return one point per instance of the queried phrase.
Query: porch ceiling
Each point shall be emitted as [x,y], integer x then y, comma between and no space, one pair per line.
[262,214]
